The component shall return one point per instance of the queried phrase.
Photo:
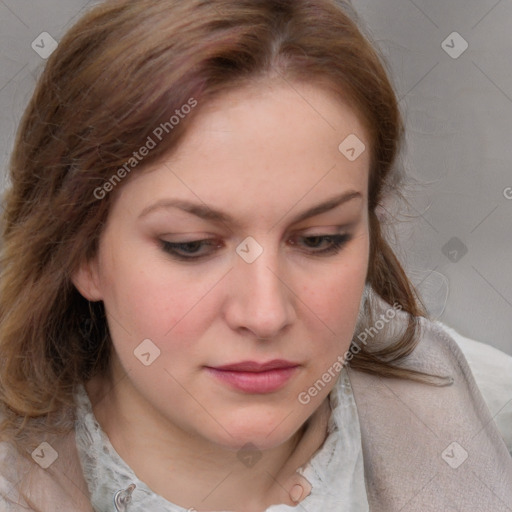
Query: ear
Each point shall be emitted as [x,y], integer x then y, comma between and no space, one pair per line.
[86,280]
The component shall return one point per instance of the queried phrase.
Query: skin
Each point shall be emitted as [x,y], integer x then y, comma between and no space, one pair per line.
[263,154]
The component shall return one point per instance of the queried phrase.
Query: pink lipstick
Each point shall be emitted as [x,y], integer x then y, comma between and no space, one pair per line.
[255,377]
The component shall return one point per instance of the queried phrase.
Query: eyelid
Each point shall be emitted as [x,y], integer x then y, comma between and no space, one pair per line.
[318,232]
[337,241]
[324,229]
[312,231]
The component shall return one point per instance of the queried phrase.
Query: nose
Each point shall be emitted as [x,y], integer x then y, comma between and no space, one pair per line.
[261,300]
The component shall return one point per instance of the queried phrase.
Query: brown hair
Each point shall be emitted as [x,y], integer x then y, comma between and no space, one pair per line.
[124,69]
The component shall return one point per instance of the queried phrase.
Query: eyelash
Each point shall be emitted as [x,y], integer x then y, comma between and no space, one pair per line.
[337,242]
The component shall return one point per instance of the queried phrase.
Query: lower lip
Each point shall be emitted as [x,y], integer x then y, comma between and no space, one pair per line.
[255,382]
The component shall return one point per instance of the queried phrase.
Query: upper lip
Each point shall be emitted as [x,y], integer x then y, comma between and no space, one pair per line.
[254,366]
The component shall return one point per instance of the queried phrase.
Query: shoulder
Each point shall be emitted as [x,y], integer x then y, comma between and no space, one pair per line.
[27,485]
[10,462]
[13,469]
[492,370]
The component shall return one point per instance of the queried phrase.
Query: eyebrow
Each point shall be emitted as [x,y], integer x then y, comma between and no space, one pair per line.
[206,213]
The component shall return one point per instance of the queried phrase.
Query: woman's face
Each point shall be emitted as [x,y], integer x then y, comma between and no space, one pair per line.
[249,244]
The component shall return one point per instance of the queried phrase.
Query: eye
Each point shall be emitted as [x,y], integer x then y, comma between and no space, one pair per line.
[193,250]
[322,244]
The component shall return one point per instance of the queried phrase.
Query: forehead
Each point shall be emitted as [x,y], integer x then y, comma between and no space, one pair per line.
[277,114]
[261,144]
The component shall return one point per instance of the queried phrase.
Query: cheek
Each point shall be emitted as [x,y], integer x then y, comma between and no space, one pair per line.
[153,306]
[337,306]
[345,295]
[142,296]
[335,299]
[335,293]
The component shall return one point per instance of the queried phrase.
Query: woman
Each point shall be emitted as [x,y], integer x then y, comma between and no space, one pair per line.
[198,308]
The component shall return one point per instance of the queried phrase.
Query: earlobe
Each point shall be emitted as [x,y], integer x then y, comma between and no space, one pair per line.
[86,281]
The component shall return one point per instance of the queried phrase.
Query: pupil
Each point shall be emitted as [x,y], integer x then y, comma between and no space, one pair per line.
[314,241]
[192,246]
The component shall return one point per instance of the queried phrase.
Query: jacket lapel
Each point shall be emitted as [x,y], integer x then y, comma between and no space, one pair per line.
[429,448]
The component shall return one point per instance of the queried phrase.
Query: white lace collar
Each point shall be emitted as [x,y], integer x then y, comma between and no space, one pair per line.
[335,471]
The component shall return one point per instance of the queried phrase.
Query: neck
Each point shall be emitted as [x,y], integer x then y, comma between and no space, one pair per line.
[192,472]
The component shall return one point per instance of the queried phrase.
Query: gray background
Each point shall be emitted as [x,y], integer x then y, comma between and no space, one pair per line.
[455,237]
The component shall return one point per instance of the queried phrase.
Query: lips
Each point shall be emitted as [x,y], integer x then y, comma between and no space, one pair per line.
[253,366]
[255,377]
